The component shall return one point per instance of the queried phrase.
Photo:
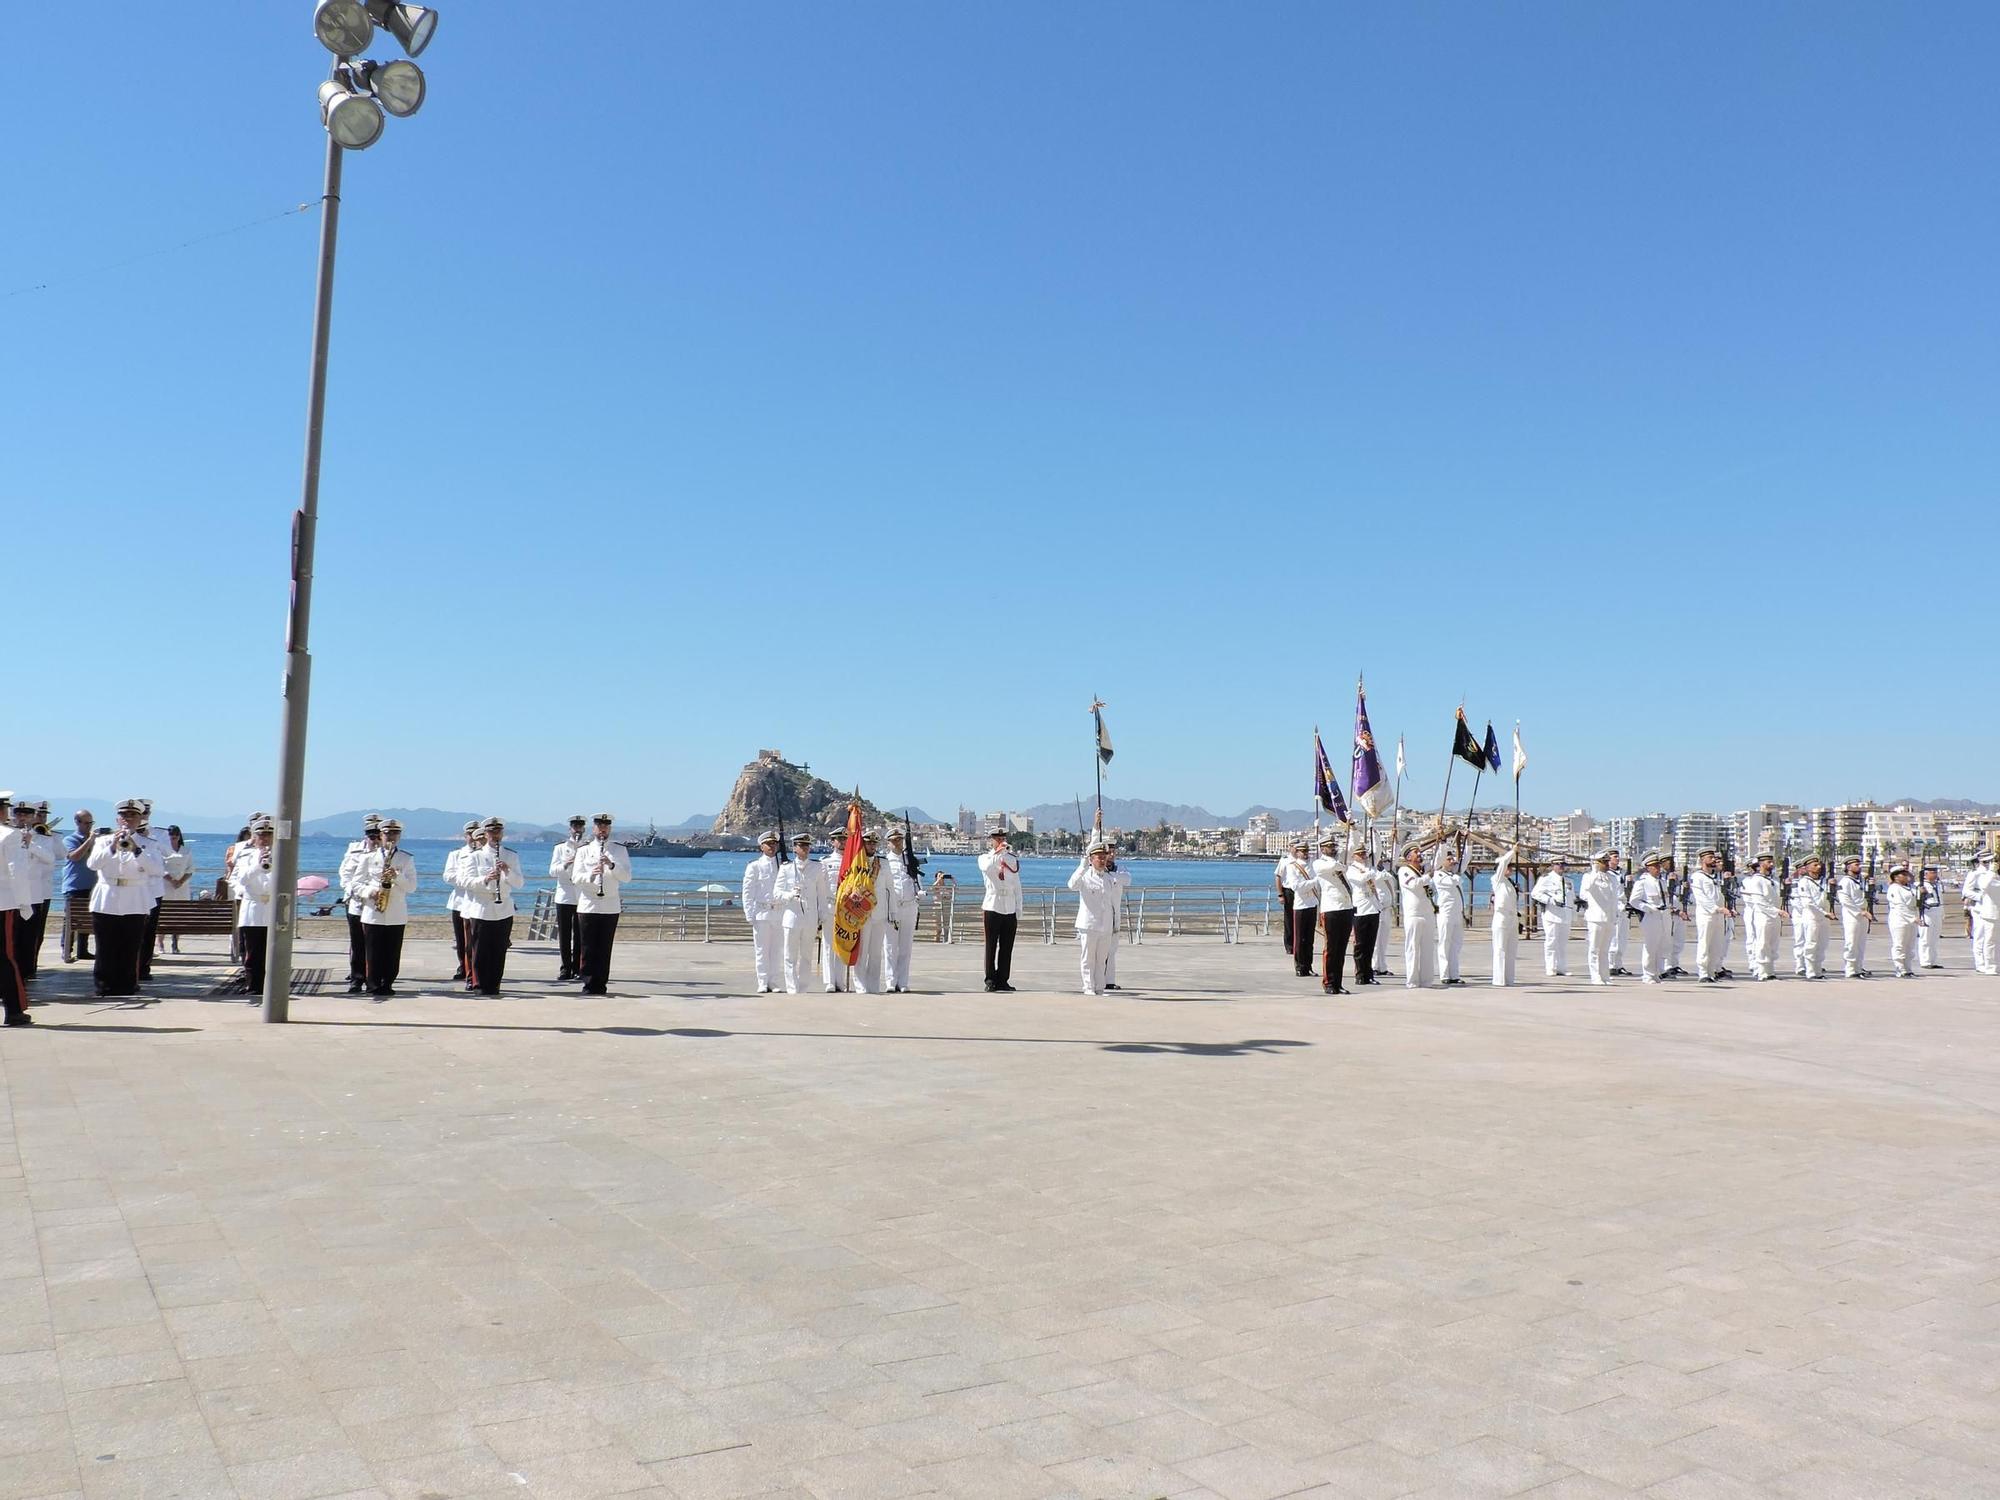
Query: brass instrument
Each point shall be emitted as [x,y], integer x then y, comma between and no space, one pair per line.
[380,899]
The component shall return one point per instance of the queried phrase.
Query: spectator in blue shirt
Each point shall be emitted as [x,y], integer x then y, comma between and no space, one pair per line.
[76,878]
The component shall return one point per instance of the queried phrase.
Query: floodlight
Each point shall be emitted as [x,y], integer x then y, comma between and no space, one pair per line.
[343,26]
[353,120]
[399,85]
[411,25]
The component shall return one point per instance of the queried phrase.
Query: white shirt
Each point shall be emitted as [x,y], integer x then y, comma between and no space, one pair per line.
[15,895]
[25,860]
[1707,894]
[158,878]
[1759,893]
[1600,897]
[760,887]
[801,893]
[1853,894]
[1989,901]
[1506,900]
[1808,895]
[1450,888]
[1975,881]
[487,880]
[560,859]
[1552,894]
[898,892]
[179,864]
[1385,890]
[1297,877]
[1097,896]
[601,865]
[456,900]
[1902,905]
[1418,904]
[1361,885]
[1334,892]
[124,880]
[1001,869]
[376,867]
[350,866]
[1649,894]
[48,851]
[251,883]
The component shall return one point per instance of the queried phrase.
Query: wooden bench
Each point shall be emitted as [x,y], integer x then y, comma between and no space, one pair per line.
[177,918]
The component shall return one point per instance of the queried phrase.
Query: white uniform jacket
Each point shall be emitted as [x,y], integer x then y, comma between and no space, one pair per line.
[1708,894]
[251,884]
[14,895]
[1988,909]
[124,880]
[601,871]
[47,850]
[350,871]
[1852,894]
[1759,893]
[1361,885]
[456,900]
[1297,877]
[1976,880]
[1385,891]
[375,869]
[487,880]
[1417,898]
[898,894]
[1451,897]
[801,894]
[760,888]
[25,861]
[1600,898]
[1902,905]
[560,860]
[1649,894]
[1001,869]
[1335,894]
[1097,894]
[1552,895]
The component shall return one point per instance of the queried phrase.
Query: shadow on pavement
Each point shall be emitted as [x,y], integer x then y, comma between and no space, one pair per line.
[702,1033]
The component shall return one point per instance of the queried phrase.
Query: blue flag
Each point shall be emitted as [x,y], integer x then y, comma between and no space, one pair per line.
[1492,748]
[1325,788]
[1371,788]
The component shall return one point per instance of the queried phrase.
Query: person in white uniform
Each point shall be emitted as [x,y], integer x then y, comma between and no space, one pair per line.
[455,902]
[1387,888]
[1970,889]
[1000,910]
[350,901]
[250,882]
[1557,906]
[833,973]
[898,896]
[601,869]
[867,975]
[801,905]
[16,911]
[1603,910]
[1336,914]
[1296,876]
[1367,916]
[1648,897]
[1506,913]
[1905,916]
[1812,914]
[1763,917]
[1453,901]
[124,865]
[1097,888]
[387,877]
[1986,919]
[1619,926]
[487,879]
[1850,894]
[760,907]
[1419,922]
[1930,903]
[30,862]
[562,860]
[1711,916]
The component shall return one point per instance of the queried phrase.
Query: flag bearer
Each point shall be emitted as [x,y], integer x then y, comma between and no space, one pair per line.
[1506,911]
[1098,888]
[1419,922]
[1367,915]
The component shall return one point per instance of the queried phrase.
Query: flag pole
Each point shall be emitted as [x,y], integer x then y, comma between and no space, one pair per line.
[1465,838]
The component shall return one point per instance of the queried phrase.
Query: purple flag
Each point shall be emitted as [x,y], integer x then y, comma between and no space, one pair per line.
[1325,788]
[1371,789]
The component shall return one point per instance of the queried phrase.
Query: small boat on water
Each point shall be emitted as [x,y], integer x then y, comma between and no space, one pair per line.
[652,846]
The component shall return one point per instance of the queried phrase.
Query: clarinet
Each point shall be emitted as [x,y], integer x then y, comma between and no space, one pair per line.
[600,867]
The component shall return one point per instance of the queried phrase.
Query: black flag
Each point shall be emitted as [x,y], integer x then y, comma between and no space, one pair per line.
[1464,746]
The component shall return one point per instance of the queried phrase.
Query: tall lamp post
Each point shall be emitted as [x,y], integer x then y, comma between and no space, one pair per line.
[351,105]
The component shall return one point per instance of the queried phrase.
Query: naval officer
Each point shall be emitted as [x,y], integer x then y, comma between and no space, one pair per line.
[600,870]
[1098,888]
[1553,899]
[387,876]
[760,906]
[350,900]
[1763,913]
[1419,922]
[1000,911]
[561,859]
[800,893]
[487,879]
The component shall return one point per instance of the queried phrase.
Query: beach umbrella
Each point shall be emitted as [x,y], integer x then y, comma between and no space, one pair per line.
[311,885]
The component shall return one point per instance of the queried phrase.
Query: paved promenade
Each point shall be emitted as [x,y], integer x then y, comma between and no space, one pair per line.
[1215,1236]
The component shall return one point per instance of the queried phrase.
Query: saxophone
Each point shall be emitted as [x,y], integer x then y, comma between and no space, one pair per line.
[381,897]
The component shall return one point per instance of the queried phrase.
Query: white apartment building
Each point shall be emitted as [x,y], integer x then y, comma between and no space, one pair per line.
[1695,831]
[1896,829]
[1760,829]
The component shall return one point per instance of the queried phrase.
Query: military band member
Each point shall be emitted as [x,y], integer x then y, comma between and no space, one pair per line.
[800,894]
[1097,888]
[1000,911]
[1506,914]
[1905,916]
[1851,897]
[1367,914]
[455,901]
[1930,902]
[898,897]
[1711,915]
[15,909]
[1603,907]
[251,881]
[760,907]
[560,861]
[487,879]
[29,861]
[350,878]
[45,855]
[158,844]
[1557,906]
[1419,922]
[600,870]
[1296,873]
[124,865]
[387,877]
[1813,917]
[1763,917]
[1648,897]
[1336,914]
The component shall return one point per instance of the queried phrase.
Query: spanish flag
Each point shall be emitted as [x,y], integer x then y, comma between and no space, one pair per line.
[854,893]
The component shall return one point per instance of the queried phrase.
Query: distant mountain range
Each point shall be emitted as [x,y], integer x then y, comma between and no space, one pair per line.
[1137,812]
[418,823]
[1947,804]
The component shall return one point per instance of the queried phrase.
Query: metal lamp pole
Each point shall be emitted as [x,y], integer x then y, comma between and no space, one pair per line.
[298,658]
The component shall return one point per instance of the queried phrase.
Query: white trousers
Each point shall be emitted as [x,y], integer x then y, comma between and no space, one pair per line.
[1927,939]
[1986,946]
[832,972]
[1555,945]
[1504,941]
[897,941]
[1652,945]
[1094,944]
[1597,950]
[767,942]
[1382,938]
[1711,943]
[1677,933]
[1450,942]
[1618,926]
[1801,931]
[1419,952]
[1111,959]
[798,959]
[1903,946]
[1816,935]
[1853,941]
[1760,937]
[868,957]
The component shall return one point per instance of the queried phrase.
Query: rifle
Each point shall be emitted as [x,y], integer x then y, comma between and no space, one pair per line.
[1082,843]
[1871,885]
[910,861]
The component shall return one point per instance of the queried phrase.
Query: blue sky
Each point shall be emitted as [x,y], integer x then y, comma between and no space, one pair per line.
[881,381]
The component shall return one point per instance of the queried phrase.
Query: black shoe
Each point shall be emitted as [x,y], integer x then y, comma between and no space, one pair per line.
[20,1018]
[1114,986]
[1006,989]
[355,986]
[459,972]
[992,988]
